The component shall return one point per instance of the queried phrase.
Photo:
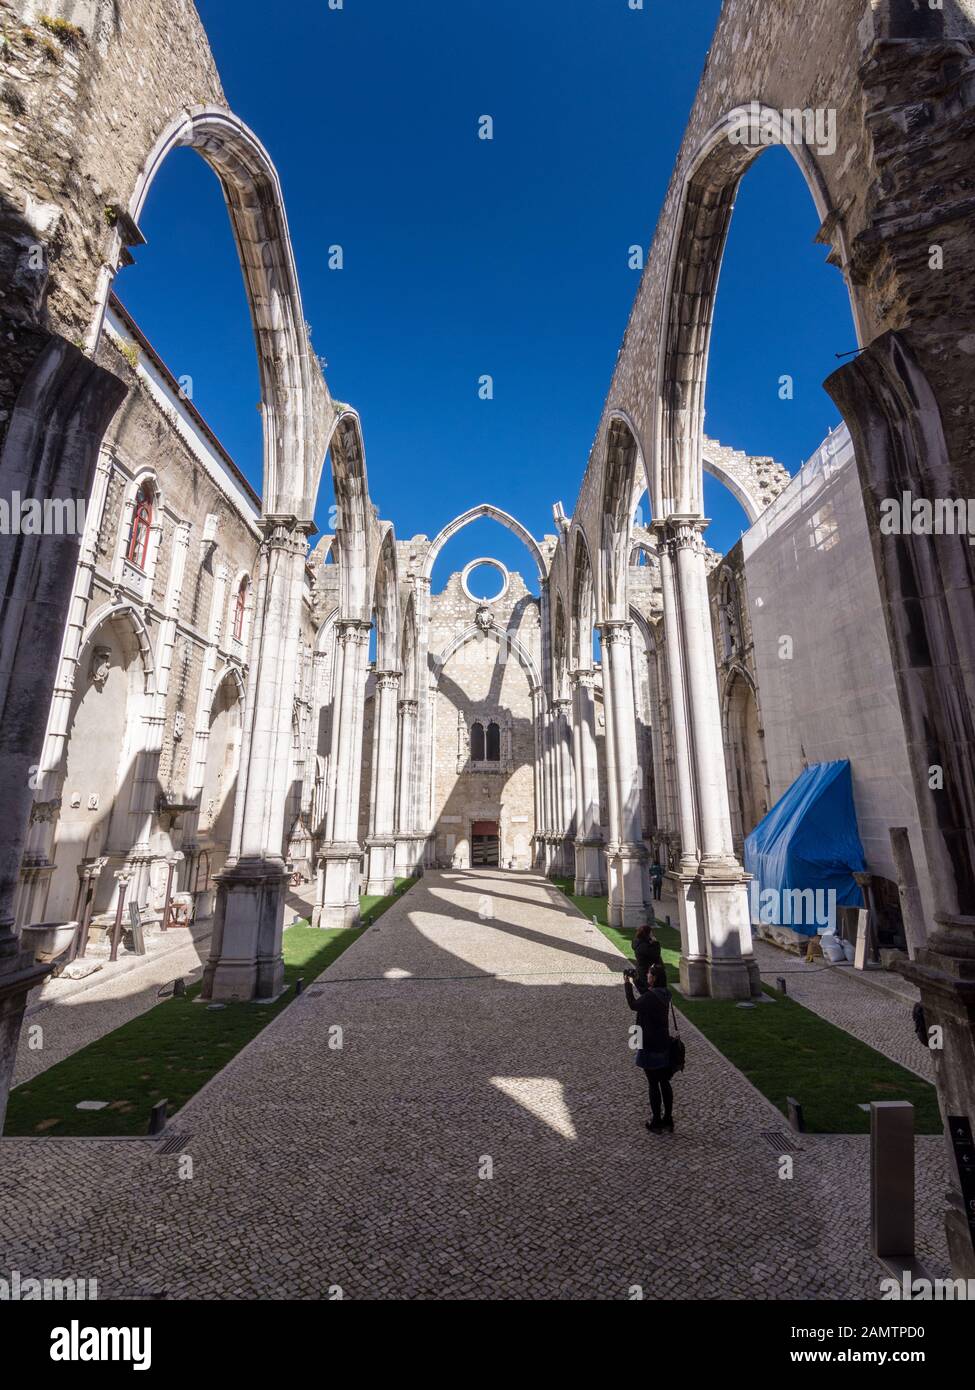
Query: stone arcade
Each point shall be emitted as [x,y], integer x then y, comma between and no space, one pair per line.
[229,669]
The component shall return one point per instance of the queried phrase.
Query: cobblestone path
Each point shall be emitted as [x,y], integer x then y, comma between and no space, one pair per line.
[478,1134]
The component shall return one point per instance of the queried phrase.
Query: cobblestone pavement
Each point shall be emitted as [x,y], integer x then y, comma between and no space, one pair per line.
[478,1134]
[73,1013]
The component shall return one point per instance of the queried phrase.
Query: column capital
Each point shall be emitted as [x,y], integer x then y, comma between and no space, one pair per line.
[285,533]
[562,706]
[352,630]
[409,706]
[388,680]
[585,676]
[678,533]
[615,631]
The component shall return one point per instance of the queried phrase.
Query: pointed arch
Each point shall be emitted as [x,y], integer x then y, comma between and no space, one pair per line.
[623,464]
[582,592]
[296,407]
[699,235]
[485,509]
[474,634]
[139,630]
[385,590]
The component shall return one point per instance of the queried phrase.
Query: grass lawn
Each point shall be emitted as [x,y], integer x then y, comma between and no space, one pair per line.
[170,1051]
[786,1050]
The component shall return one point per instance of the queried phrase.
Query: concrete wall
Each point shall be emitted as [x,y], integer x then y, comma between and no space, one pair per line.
[811,590]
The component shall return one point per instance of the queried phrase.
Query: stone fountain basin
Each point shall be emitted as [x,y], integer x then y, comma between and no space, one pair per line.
[48,940]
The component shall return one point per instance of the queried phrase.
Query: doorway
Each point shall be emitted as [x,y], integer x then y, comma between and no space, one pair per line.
[485,844]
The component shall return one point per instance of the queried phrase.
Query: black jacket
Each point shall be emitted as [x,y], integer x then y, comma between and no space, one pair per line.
[647,953]
[652,1011]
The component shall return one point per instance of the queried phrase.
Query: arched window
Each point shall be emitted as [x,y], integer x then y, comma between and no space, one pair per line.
[477,743]
[240,610]
[493,754]
[138,546]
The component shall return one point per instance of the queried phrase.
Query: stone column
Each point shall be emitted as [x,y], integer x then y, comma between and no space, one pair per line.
[339,883]
[551,789]
[381,844]
[694,952]
[566,826]
[590,879]
[731,969]
[53,439]
[626,904]
[406,838]
[245,955]
[538,846]
[422,816]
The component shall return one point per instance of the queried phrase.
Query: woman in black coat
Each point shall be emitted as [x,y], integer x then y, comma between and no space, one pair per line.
[646,949]
[652,1009]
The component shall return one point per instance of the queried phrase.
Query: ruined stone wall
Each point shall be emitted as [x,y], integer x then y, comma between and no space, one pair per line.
[80,109]
[483,680]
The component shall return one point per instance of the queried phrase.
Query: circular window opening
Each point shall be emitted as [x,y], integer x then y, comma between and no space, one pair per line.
[480,584]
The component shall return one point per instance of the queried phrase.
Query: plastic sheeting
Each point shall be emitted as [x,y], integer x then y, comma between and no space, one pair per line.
[803,854]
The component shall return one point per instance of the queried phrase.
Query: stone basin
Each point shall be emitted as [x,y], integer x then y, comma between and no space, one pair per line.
[48,940]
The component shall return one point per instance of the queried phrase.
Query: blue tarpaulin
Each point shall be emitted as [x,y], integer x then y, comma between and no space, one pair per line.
[803,854]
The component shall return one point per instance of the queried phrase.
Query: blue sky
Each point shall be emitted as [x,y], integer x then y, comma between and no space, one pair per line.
[465,257]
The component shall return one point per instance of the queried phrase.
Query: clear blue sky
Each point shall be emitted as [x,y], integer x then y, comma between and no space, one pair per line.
[465,257]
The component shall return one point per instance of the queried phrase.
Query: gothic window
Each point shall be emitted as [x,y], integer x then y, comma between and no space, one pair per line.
[477,742]
[138,545]
[493,754]
[240,610]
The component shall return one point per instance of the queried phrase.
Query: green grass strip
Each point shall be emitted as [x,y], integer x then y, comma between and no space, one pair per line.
[172,1050]
[786,1049]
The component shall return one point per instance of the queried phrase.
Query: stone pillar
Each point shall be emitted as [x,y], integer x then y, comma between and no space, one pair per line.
[626,904]
[339,883]
[537,772]
[406,837]
[381,844]
[50,451]
[245,955]
[565,827]
[548,791]
[422,815]
[590,879]
[693,964]
[730,967]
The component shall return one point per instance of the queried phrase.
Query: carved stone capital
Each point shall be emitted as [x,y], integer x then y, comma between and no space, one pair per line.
[684,533]
[615,632]
[585,678]
[352,631]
